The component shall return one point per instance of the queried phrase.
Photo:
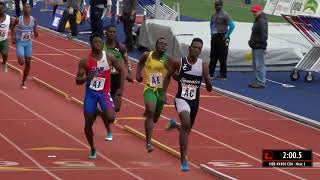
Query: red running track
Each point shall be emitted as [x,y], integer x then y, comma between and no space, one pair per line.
[228,135]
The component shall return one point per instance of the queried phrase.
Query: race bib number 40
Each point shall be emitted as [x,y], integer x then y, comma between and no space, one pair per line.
[189,92]
[156,80]
[25,36]
[97,83]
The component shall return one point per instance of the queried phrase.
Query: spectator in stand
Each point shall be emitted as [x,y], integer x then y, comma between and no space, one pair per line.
[17,6]
[96,13]
[128,17]
[73,6]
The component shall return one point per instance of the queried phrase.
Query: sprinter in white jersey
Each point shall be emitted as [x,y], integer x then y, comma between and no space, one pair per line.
[5,24]
[189,72]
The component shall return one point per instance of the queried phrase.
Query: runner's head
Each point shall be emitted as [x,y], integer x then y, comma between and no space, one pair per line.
[111,32]
[96,42]
[195,48]
[161,45]
[27,9]
[218,5]
[2,8]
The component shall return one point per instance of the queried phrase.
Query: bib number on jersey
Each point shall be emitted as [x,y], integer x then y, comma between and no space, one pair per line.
[25,36]
[156,80]
[97,83]
[2,33]
[189,92]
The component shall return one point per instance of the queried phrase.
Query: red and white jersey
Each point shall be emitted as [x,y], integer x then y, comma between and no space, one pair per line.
[102,80]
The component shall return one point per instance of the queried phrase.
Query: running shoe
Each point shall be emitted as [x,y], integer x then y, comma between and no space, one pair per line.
[149,148]
[172,124]
[109,136]
[93,154]
[184,166]
[23,86]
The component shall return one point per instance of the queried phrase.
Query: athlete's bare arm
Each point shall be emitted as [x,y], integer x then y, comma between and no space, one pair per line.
[12,20]
[13,31]
[173,65]
[141,64]
[35,28]
[81,74]
[206,77]
[126,60]
[120,68]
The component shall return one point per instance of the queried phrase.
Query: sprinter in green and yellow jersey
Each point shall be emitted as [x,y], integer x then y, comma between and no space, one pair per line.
[155,65]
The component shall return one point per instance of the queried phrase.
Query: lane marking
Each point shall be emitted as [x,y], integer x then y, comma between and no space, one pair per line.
[15,60]
[216,173]
[130,118]
[52,148]
[27,155]
[15,169]
[56,49]
[48,86]
[209,96]
[19,119]
[69,135]
[203,147]
[49,54]
[14,68]
[79,49]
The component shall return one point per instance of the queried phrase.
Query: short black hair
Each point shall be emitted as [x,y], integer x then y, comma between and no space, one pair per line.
[110,26]
[93,36]
[218,2]
[2,3]
[160,39]
[197,40]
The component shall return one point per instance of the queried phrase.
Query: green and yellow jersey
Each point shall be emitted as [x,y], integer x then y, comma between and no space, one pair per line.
[155,70]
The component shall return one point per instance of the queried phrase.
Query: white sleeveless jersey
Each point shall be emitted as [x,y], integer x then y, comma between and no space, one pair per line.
[4,28]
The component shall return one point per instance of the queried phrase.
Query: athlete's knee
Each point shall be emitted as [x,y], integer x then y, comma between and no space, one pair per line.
[20,60]
[111,120]
[88,130]
[117,108]
[28,62]
[156,117]
[109,117]
[186,127]
[149,114]
[150,110]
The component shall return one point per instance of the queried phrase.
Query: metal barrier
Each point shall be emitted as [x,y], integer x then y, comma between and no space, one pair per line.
[309,27]
[165,12]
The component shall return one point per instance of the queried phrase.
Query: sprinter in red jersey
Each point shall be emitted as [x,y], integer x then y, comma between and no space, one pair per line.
[95,71]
